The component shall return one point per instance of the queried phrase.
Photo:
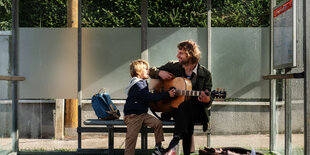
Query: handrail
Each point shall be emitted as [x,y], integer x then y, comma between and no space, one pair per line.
[12,78]
[284,76]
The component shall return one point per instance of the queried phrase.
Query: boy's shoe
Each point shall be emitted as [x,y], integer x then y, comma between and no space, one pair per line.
[158,150]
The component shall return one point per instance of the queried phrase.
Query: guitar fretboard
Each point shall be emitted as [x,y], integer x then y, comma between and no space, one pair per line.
[189,93]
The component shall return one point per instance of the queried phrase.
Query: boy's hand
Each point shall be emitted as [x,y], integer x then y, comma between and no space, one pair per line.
[171,92]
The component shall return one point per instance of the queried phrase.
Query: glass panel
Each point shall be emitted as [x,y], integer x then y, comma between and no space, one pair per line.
[107,53]
[298,126]
[5,103]
[298,107]
[4,63]
[162,43]
[48,61]
[240,57]
[280,137]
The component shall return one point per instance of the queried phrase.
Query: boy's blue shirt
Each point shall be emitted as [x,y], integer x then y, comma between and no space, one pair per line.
[139,97]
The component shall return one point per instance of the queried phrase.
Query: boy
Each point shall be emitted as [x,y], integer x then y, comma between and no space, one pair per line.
[136,107]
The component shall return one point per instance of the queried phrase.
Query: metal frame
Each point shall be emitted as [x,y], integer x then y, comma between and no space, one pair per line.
[306,45]
[306,49]
[293,63]
[15,135]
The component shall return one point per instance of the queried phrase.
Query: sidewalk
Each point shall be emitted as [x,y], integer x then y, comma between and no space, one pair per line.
[70,144]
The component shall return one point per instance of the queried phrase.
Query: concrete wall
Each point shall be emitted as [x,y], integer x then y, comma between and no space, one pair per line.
[252,118]
[36,120]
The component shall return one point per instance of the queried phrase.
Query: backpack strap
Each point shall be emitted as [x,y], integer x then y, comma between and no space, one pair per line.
[105,101]
[111,111]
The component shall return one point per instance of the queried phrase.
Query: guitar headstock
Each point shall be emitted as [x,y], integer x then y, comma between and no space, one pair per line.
[219,94]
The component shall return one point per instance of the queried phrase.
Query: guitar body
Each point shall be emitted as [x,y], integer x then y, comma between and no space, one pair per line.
[158,86]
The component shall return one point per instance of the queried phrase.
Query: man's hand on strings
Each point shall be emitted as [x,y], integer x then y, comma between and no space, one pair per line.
[203,97]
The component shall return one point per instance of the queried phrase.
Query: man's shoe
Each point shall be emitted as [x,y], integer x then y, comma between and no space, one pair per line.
[158,150]
[171,151]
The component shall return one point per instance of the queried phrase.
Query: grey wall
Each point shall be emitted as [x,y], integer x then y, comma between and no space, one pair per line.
[36,120]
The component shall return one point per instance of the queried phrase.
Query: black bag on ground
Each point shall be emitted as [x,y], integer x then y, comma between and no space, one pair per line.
[226,151]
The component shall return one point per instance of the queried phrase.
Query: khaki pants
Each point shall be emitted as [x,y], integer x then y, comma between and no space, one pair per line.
[134,123]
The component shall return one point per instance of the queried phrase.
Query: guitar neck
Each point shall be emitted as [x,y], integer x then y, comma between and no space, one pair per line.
[189,93]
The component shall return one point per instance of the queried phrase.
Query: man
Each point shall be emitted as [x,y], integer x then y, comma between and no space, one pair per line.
[195,109]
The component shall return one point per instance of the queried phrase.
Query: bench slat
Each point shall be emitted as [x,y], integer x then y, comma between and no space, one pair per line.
[119,126]
[103,122]
[117,122]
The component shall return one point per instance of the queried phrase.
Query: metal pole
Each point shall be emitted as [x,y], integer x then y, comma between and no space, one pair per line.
[79,82]
[306,58]
[288,116]
[144,25]
[14,134]
[209,60]
[273,116]
[209,34]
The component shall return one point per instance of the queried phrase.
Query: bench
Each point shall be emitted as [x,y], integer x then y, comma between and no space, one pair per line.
[118,126]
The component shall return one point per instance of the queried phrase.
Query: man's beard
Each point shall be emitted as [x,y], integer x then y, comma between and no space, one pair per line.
[185,62]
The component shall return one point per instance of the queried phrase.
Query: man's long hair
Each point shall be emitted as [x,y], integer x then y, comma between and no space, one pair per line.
[192,49]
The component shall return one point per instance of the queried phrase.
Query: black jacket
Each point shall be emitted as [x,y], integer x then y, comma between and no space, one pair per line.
[139,97]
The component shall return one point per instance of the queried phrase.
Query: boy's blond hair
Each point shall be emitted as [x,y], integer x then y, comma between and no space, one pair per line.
[136,66]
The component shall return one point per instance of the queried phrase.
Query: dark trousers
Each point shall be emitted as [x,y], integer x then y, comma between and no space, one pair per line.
[185,116]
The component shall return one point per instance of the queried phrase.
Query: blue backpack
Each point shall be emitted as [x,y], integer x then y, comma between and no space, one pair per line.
[104,107]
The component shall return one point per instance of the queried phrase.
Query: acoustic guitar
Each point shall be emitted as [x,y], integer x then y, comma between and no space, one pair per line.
[183,92]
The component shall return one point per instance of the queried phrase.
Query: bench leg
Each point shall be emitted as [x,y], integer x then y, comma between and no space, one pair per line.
[79,125]
[143,140]
[79,140]
[208,139]
[111,140]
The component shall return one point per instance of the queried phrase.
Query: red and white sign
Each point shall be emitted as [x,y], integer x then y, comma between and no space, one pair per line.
[283,8]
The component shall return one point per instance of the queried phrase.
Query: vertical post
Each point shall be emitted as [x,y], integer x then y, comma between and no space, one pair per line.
[144,50]
[273,107]
[209,63]
[72,17]
[71,120]
[71,109]
[288,116]
[209,35]
[306,58]
[59,123]
[14,133]
[79,82]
